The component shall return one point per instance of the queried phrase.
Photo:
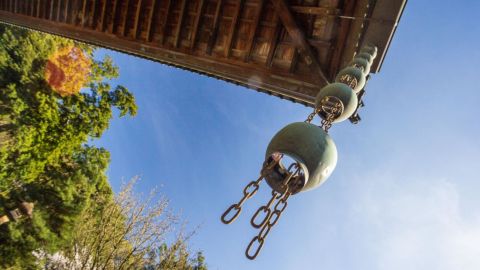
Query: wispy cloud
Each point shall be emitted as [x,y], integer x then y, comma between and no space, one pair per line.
[421,226]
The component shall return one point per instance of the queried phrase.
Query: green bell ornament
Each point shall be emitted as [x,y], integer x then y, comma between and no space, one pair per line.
[337,92]
[361,64]
[353,77]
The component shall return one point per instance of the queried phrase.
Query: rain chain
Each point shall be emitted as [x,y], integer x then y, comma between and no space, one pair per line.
[313,152]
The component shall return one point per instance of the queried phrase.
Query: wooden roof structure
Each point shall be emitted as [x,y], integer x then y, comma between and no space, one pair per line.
[286,48]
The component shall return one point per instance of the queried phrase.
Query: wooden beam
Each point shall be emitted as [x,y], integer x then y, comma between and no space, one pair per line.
[84,11]
[294,62]
[181,16]
[322,11]
[233,28]
[38,8]
[196,23]
[299,88]
[253,31]
[125,18]
[67,10]
[150,20]
[112,27]
[59,7]
[51,9]
[137,19]
[102,15]
[298,37]
[165,21]
[91,18]
[32,7]
[343,29]
[274,41]
[216,23]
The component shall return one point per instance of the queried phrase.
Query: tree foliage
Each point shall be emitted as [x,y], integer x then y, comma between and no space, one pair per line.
[43,131]
[128,232]
[66,71]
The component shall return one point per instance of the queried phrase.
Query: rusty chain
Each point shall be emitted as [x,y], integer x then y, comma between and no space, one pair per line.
[248,192]
[267,222]
[332,107]
[311,116]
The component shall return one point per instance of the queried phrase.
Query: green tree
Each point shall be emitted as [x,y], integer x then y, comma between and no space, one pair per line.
[43,156]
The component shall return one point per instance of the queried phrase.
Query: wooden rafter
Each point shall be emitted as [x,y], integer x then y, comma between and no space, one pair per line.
[38,8]
[51,9]
[84,12]
[195,29]
[298,37]
[251,37]
[344,28]
[102,15]
[137,19]
[181,16]
[233,28]
[165,21]
[322,11]
[114,16]
[91,18]
[216,23]
[125,18]
[67,10]
[274,41]
[150,20]
[59,6]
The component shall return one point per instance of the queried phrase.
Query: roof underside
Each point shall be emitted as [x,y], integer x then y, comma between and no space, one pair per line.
[285,48]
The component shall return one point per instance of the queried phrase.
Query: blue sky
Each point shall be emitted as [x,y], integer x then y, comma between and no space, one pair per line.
[404,194]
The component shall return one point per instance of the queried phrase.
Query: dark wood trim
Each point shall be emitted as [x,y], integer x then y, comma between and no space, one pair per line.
[137,19]
[50,15]
[59,7]
[344,29]
[196,23]
[84,12]
[102,16]
[298,37]
[280,84]
[233,28]
[91,18]
[274,41]
[165,21]
[322,11]
[253,33]
[181,16]
[112,26]
[216,23]
[125,18]
[151,17]
[67,7]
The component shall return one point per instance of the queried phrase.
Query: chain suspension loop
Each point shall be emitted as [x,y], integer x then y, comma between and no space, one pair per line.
[312,115]
[331,107]
[268,222]
[248,192]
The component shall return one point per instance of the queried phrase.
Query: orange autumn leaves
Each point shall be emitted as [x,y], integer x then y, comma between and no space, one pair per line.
[67,70]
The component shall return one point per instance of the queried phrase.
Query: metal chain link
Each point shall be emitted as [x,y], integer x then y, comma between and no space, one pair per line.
[312,115]
[248,192]
[330,117]
[267,223]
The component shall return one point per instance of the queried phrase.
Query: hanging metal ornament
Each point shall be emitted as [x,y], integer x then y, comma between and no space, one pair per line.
[312,152]
[353,77]
[361,64]
[367,56]
[338,93]
[370,49]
